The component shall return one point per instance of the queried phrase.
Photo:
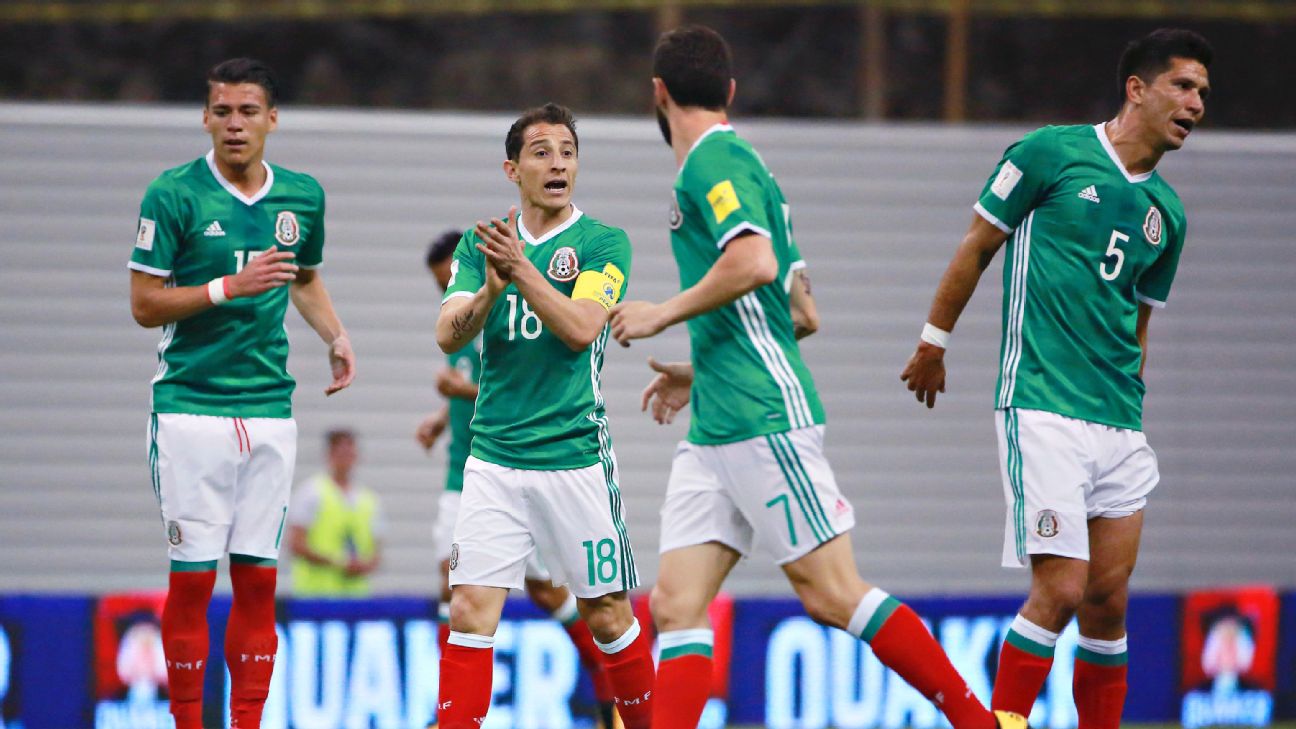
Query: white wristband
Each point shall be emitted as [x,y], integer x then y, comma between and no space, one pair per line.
[216,291]
[936,336]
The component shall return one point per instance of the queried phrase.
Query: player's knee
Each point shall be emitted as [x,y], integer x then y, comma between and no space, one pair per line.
[608,616]
[471,613]
[826,608]
[545,595]
[676,609]
[1058,600]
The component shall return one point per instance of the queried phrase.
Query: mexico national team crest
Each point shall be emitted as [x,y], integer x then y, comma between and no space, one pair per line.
[564,266]
[1152,226]
[675,218]
[286,228]
[1047,524]
[454,555]
[173,533]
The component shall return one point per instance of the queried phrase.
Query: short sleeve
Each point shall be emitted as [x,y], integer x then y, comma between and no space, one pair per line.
[605,270]
[730,198]
[1019,182]
[311,253]
[467,269]
[1153,287]
[159,232]
[795,263]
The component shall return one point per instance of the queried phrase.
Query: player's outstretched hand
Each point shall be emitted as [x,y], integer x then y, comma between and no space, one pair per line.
[342,362]
[450,382]
[431,428]
[668,393]
[635,320]
[925,373]
[500,244]
[269,270]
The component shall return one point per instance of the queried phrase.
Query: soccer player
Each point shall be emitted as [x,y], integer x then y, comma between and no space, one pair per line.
[223,243]
[457,382]
[1096,237]
[753,469]
[541,475]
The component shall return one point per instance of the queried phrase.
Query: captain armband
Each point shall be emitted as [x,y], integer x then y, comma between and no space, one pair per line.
[601,286]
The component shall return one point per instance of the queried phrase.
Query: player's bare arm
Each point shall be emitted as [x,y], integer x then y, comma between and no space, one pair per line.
[925,371]
[668,393]
[1141,331]
[153,304]
[805,315]
[747,264]
[432,427]
[312,300]
[576,322]
[461,319]
[450,382]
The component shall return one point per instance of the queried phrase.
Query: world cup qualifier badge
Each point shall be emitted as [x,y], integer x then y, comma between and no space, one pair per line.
[286,229]
[564,266]
[1152,226]
[173,533]
[1047,524]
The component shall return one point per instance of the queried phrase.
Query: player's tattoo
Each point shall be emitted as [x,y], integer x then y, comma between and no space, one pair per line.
[805,279]
[462,324]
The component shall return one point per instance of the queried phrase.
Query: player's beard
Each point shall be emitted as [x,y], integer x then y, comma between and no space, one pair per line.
[664,124]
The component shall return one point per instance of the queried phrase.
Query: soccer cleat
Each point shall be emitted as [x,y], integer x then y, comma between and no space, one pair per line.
[1010,720]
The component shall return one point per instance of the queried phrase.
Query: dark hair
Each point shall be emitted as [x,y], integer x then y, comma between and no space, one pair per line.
[695,64]
[1150,56]
[245,71]
[550,113]
[442,247]
[336,435]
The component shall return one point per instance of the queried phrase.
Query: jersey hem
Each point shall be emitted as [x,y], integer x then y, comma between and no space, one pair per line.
[456,295]
[532,466]
[792,269]
[228,412]
[1138,427]
[1150,301]
[738,229]
[990,218]
[705,441]
[148,269]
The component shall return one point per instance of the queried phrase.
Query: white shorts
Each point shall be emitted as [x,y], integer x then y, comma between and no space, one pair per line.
[573,519]
[774,491]
[222,483]
[443,535]
[1060,472]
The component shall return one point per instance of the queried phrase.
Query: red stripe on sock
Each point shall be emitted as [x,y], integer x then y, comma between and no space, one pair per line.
[904,645]
[683,687]
[1019,679]
[465,693]
[1099,694]
[250,642]
[185,643]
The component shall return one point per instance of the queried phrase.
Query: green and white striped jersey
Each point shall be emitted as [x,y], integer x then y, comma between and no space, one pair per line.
[749,378]
[1089,242]
[468,362]
[539,404]
[230,360]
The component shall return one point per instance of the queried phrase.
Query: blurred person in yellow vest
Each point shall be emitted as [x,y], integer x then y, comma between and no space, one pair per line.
[335,527]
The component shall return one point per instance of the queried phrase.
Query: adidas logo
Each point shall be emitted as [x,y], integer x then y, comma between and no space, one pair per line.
[1090,193]
[214,230]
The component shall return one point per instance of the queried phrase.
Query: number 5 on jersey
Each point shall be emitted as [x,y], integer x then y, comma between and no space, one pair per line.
[1113,252]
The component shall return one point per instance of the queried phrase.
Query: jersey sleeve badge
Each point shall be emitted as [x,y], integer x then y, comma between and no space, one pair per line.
[144,236]
[1009,176]
[1152,226]
[674,218]
[723,199]
[564,266]
[286,229]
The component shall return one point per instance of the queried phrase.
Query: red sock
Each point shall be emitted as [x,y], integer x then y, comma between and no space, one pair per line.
[466,676]
[591,659]
[443,637]
[903,644]
[185,643]
[1021,675]
[631,671]
[1099,687]
[250,641]
[683,687]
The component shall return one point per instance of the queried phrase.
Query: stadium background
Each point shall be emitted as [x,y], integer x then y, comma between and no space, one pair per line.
[846,104]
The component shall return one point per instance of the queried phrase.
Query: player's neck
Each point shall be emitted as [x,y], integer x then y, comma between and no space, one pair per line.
[247,179]
[1135,146]
[688,125]
[341,478]
[539,221]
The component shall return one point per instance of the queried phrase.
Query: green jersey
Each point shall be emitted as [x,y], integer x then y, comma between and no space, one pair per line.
[749,379]
[468,362]
[230,360]
[539,404]
[1089,242]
